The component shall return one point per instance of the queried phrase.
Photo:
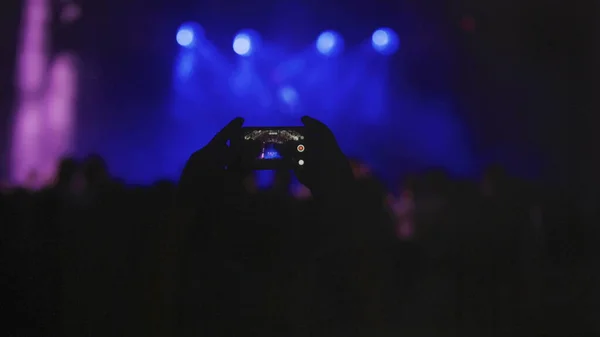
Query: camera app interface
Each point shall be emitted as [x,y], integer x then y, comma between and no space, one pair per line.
[277,144]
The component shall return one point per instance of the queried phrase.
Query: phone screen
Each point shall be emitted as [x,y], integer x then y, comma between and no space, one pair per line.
[275,147]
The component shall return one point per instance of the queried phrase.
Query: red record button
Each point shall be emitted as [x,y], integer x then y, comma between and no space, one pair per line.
[300,148]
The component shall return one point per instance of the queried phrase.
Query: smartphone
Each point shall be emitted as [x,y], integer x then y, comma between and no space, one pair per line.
[273,148]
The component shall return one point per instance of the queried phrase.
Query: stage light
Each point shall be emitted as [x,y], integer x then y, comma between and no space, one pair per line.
[329,43]
[185,37]
[188,34]
[288,95]
[385,41]
[245,43]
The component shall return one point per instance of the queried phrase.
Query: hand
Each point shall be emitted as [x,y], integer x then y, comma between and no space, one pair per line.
[327,170]
[204,175]
[200,230]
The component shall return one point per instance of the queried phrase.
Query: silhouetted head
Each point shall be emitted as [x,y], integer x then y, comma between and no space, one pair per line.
[67,168]
[436,181]
[495,173]
[494,179]
[32,181]
[95,169]
[407,183]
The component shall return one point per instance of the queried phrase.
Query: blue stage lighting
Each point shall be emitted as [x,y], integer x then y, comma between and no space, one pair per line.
[244,43]
[385,41]
[288,95]
[188,34]
[329,43]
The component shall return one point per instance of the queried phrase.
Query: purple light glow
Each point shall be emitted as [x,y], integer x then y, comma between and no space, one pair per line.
[33,54]
[44,120]
[60,113]
[27,127]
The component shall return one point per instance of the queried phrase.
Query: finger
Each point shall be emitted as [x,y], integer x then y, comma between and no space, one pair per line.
[325,161]
[312,121]
[228,132]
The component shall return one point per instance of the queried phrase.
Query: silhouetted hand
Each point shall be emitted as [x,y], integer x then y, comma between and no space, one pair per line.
[204,175]
[327,171]
[353,235]
[215,173]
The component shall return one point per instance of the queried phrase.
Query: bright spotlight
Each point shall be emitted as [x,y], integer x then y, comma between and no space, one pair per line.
[329,43]
[385,41]
[245,43]
[185,37]
[242,44]
[188,34]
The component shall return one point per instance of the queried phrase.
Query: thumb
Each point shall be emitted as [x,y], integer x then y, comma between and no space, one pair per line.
[319,133]
[314,124]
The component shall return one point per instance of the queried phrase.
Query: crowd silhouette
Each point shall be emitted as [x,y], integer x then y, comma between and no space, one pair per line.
[214,255]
